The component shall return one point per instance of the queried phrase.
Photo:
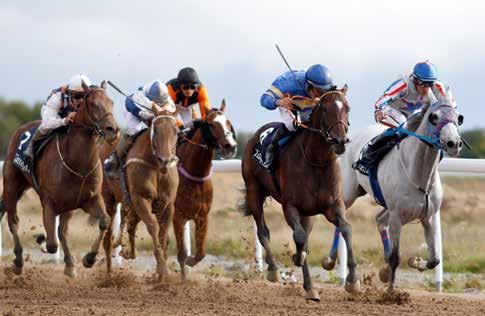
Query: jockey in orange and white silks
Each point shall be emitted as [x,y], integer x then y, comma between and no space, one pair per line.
[409,94]
[59,108]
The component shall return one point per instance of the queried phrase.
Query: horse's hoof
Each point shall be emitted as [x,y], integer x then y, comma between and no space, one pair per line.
[127,255]
[352,287]
[384,274]
[299,259]
[273,276]
[191,261]
[70,272]
[89,259]
[312,295]
[417,263]
[328,264]
[17,270]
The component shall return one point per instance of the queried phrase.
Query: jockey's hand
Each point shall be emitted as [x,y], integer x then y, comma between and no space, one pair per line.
[285,103]
[69,119]
[380,115]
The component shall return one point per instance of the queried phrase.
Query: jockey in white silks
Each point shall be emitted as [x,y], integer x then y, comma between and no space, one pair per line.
[58,110]
[409,94]
[154,93]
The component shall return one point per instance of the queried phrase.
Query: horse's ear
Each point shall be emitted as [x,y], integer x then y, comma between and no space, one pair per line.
[155,109]
[223,105]
[85,86]
[104,84]
[345,89]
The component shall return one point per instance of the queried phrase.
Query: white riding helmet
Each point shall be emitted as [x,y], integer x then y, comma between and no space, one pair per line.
[75,83]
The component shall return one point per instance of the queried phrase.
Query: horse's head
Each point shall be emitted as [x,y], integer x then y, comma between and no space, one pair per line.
[443,121]
[331,118]
[163,138]
[221,131]
[96,112]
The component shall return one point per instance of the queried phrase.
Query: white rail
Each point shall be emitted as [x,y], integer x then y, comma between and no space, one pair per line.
[452,165]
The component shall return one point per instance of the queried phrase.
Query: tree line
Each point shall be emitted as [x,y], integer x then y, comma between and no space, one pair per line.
[15,113]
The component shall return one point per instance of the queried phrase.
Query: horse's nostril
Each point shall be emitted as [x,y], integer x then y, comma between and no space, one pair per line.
[111,129]
[450,144]
[460,144]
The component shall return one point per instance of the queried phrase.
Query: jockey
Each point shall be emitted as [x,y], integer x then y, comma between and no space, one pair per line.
[409,94]
[309,84]
[58,110]
[137,113]
[186,90]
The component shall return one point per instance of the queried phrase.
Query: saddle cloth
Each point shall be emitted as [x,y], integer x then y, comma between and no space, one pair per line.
[265,139]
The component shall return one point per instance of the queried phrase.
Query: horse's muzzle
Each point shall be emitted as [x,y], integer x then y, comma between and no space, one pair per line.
[165,163]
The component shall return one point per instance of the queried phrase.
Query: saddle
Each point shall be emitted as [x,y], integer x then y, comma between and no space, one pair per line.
[372,154]
[22,162]
[265,139]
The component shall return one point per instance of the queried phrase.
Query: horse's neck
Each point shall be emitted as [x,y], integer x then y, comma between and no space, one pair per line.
[79,149]
[419,159]
[196,159]
[145,151]
[314,146]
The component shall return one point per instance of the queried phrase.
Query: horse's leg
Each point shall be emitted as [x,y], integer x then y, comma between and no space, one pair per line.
[62,232]
[382,220]
[311,293]
[96,207]
[49,220]
[11,194]
[395,227]
[164,221]
[337,217]
[329,262]
[129,252]
[433,261]
[108,237]
[255,200]
[178,228]
[144,211]
[293,218]
[201,227]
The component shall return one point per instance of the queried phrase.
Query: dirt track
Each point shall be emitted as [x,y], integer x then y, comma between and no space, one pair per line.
[43,291]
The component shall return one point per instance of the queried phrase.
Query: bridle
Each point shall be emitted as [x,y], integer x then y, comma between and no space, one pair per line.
[323,130]
[152,131]
[93,122]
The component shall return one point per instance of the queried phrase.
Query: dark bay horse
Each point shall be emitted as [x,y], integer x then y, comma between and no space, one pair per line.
[195,191]
[152,181]
[69,176]
[308,176]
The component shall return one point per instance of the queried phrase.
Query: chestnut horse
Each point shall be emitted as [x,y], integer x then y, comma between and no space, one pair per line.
[69,175]
[195,191]
[307,182]
[152,181]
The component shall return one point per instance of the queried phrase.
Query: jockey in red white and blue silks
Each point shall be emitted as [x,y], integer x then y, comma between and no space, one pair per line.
[409,94]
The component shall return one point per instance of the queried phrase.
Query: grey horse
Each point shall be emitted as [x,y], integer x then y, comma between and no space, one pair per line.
[408,176]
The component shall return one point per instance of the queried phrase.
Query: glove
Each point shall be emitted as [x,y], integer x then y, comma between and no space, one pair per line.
[145,115]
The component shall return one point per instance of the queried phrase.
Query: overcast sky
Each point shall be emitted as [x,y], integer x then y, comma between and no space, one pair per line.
[366,44]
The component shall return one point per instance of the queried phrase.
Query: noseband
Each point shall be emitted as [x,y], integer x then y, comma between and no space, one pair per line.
[93,123]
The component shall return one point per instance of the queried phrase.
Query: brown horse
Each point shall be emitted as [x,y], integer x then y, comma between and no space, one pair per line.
[69,176]
[195,192]
[152,181]
[307,182]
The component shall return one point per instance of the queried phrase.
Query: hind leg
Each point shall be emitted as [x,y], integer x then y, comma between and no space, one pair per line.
[129,252]
[13,189]
[255,201]
[201,227]
[108,237]
[382,220]
[164,221]
[62,232]
[395,227]
[96,208]
[311,293]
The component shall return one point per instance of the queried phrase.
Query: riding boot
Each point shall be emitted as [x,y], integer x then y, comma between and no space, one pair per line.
[272,149]
[29,151]
[112,164]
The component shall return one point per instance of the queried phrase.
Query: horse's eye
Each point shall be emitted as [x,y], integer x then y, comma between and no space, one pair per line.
[460,119]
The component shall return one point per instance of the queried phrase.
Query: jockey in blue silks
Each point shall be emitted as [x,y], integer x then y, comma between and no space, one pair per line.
[284,93]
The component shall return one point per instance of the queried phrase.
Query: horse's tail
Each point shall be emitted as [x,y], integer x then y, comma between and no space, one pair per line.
[242,205]
[2,209]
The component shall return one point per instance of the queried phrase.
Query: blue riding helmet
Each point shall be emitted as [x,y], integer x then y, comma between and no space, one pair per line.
[425,72]
[319,76]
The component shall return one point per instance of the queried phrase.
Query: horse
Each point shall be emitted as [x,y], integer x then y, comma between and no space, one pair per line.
[69,176]
[409,180]
[195,191]
[306,182]
[152,181]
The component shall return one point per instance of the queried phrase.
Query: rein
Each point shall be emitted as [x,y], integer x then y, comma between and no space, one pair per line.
[93,123]
[76,173]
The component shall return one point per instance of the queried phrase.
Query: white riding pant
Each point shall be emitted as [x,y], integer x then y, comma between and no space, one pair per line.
[133,124]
